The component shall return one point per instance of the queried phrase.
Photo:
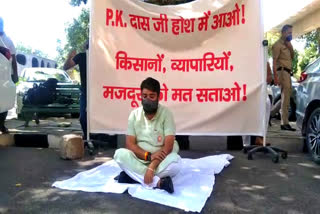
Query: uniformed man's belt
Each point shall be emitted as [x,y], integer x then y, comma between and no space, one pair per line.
[284,68]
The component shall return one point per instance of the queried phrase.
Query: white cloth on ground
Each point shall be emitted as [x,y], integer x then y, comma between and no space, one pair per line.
[193,185]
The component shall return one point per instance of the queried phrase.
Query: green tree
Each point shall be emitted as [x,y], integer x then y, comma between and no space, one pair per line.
[312,48]
[78,2]
[295,62]
[77,34]
[62,54]
[312,39]
[309,55]
[28,50]
[78,31]
[272,38]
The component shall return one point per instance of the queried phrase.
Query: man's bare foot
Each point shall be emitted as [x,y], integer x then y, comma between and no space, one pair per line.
[259,142]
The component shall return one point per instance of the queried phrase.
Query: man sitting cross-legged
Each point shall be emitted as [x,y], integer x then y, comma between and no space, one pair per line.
[151,154]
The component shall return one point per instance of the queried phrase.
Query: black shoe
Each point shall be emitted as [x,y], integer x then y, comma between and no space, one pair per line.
[4,130]
[124,178]
[287,127]
[166,184]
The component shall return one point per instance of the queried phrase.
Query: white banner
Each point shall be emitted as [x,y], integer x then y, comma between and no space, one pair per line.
[207,56]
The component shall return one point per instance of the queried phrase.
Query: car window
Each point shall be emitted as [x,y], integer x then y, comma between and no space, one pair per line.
[315,67]
[44,75]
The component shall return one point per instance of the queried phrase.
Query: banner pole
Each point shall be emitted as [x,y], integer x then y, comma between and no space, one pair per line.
[265,50]
[87,97]
[89,142]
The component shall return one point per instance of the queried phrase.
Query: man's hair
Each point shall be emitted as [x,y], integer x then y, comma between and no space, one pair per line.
[151,84]
[285,28]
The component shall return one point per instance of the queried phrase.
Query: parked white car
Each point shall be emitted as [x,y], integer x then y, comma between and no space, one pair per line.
[66,89]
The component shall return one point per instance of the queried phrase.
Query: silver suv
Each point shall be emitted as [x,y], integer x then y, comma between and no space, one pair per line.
[308,108]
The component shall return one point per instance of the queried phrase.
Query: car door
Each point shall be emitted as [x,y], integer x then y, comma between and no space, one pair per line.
[308,89]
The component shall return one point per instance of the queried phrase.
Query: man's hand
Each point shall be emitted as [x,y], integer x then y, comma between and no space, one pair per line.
[289,45]
[72,54]
[148,177]
[14,78]
[159,155]
[69,62]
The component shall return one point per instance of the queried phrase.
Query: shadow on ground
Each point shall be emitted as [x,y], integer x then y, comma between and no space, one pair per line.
[257,186]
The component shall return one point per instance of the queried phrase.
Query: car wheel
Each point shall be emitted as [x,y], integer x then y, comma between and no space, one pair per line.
[313,135]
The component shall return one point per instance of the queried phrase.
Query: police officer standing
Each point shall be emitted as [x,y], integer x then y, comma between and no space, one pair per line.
[283,54]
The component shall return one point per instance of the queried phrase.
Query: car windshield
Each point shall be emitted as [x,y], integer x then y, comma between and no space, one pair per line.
[44,75]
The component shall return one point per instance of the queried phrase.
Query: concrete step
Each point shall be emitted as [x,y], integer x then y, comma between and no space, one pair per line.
[290,141]
[6,140]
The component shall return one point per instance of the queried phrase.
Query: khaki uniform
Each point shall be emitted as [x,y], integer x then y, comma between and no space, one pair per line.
[281,55]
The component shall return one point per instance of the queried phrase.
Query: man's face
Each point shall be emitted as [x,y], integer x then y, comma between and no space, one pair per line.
[288,32]
[147,94]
